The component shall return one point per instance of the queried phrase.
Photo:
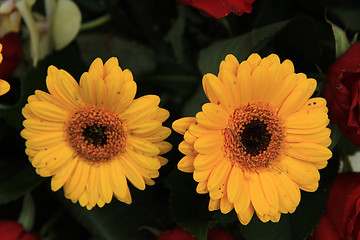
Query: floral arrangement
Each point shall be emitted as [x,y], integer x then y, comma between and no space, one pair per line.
[179,119]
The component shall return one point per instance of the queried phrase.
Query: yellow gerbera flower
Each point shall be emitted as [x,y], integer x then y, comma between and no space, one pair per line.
[259,140]
[4,85]
[92,137]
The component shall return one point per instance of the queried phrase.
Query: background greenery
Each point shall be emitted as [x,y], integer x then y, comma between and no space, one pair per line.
[168,47]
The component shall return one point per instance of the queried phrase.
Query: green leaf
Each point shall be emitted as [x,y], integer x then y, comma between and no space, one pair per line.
[176,33]
[21,182]
[118,220]
[241,47]
[350,17]
[341,40]
[189,209]
[65,24]
[270,231]
[132,55]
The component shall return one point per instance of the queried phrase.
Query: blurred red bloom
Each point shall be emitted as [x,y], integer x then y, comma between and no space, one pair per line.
[179,233]
[11,230]
[342,92]
[220,8]
[342,218]
[12,54]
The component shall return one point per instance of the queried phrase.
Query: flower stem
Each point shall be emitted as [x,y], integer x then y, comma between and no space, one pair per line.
[95,23]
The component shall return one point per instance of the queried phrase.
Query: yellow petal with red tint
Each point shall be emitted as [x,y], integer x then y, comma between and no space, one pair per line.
[140,104]
[118,179]
[300,171]
[72,184]
[284,89]
[186,148]
[4,87]
[245,84]
[270,191]
[254,60]
[225,205]
[87,88]
[214,204]
[257,195]
[216,114]
[197,130]
[111,65]
[186,164]
[219,174]
[202,188]
[161,115]
[105,189]
[298,98]
[163,146]
[230,82]
[209,143]
[203,175]
[161,134]
[59,179]
[204,161]
[245,216]
[150,163]
[182,125]
[260,83]
[317,103]
[189,137]
[216,91]
[100,92]
[145,129]
[304,120]
[41,125]
[205,122]
[132,174]
[45,140]
[48,111]
[114,87]
[315,152]
[127,76]
[143,146]
[287,67]
[96,69]
[235,184]
[127,95]
[80,185]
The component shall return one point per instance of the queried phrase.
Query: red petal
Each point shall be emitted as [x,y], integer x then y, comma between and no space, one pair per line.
[221,8]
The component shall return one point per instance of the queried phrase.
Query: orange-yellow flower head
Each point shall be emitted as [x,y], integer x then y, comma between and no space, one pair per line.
[4,85]
[260,139]
[94,136]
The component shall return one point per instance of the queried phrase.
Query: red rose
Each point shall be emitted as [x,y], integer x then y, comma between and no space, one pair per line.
[179,233]
[342,218]
[10,230]
[220,8]
[342,92]
[12,54]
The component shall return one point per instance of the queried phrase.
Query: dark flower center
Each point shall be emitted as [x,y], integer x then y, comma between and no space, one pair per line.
[255,137]
[95,135]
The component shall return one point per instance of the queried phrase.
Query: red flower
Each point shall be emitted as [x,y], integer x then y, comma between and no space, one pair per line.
[342,218]
[342,92]
[10,230]
[220,8]
[12,54]
[179,233]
